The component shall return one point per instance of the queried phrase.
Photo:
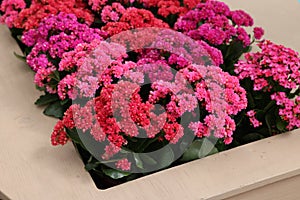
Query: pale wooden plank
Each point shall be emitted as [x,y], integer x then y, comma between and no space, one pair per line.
[31,169]
[287,189]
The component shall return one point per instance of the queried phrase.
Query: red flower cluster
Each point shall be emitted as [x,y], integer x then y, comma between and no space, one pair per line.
[163,8]
[134,18]
[170,7]
[59,135]
[97,5]
[30,18]
[112,13]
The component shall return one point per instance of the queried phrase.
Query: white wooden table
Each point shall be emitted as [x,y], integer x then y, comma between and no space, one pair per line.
[31,169]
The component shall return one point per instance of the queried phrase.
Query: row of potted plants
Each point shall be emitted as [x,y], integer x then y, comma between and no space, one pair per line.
[140,86]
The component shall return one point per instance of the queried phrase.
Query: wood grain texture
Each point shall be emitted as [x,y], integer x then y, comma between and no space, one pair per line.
[287,189]
[31,169]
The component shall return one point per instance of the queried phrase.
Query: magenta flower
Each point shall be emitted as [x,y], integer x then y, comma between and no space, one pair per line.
[11,11]
[123,164]
[47,51]
[213,22]
[274,62]
[258,32]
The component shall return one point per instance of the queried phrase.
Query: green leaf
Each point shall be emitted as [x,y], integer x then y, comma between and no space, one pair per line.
[192,152]
[199,23]
[247,49]
[115,174]
[148,160]
[64,102]
[55,110]
[251,137]
[19,37]
[251,101]
[166,157]
[199,149]
[73,135]
[269,121]
[138,161]
[22,58]
[91,166]
[259,96]
[184,145]
[55,76]
[259,114]
[46,99]
[281,125]
[269,106]
[235,50]
[293,95]
[40,88]
[208,148]
[240,118]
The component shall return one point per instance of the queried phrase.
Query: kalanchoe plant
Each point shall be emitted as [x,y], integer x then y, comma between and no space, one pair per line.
[122,110]
[271,78]
[54,36]
[221,27]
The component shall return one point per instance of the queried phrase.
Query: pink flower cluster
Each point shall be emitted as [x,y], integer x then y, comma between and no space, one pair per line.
[70,62]
[30,18]
[97,5]
[87,60]
[123,164]
[66,33]
[155,69]
[11,9]
[185,50]
[255,123]
[221,96]
[215,23]
[289,109]
[112,13]
[274,65]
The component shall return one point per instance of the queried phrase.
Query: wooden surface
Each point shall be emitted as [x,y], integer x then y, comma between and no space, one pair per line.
[287,189]
[31,169]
